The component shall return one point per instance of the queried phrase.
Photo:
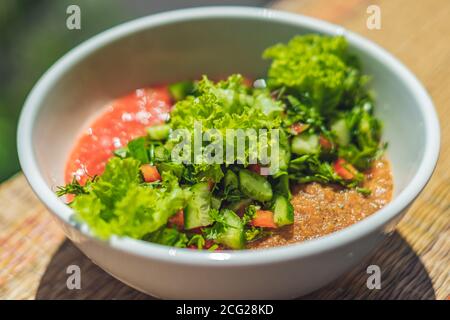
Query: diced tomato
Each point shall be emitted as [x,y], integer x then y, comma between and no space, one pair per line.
[344,170]
[298,128]
[256,168]
[177,220]
[264,219]
[150,173]
[325,143]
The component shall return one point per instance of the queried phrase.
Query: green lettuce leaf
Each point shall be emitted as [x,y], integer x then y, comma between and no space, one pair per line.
[120,203]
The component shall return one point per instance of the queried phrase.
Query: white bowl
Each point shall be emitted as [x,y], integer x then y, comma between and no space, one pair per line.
[216,41]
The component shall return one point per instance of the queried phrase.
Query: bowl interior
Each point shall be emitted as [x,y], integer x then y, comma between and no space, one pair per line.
[215,46]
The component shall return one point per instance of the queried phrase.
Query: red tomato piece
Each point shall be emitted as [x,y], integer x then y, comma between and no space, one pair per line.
[264,219]
[298,128]
[325,143]
[345,170]
[150,173]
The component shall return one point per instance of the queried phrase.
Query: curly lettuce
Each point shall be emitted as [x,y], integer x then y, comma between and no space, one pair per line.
[317,69]
[227,104]
[119,203]
[224,105]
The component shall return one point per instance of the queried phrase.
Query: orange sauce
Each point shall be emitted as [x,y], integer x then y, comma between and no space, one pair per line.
[125,119]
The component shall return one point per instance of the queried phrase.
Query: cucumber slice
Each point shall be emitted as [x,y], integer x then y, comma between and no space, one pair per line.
[233,235]
[282,186]
[283,211]
[305,144]
[254,186]
[159,132]
[196,213]
[341,131]
[239,205]
[284,158]
[285,152]
[231,180]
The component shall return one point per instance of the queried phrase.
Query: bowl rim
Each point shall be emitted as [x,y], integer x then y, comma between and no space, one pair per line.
[230,258]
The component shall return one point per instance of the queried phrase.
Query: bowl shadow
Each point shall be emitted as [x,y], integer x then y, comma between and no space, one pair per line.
[403,276]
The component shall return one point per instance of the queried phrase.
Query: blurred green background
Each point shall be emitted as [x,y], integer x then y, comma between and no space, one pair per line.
[33,35]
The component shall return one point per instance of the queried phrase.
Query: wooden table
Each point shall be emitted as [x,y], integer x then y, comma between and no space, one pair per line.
[415,261]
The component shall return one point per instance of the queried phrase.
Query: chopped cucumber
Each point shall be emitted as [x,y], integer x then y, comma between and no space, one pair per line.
[255,186]
[231,180]
[178,91]
[341,131]
[159,132]
[305,144]
[283,211]
[233,235]
[196,213]
[284,158]
[238,205]
[285,152]
[282,186]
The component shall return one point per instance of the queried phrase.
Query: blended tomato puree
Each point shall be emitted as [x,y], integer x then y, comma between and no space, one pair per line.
[123,120]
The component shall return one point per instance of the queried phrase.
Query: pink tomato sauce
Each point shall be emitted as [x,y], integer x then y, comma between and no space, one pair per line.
[123,120]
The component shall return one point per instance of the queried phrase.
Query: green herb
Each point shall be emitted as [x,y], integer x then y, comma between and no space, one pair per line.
[197,240]
[74,188]
[250,212]
[196,173]
[219,227]
[365,131]
[364,191]
[254,233]
[309,168]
